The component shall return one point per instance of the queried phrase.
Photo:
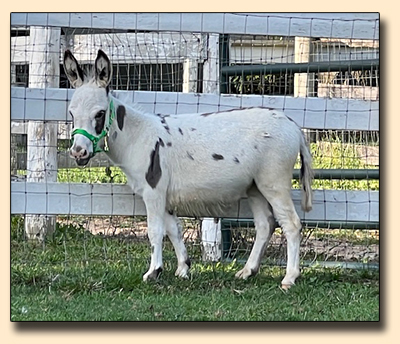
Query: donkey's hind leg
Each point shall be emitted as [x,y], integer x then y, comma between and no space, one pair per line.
[285,213]
[174,232]
[265,225]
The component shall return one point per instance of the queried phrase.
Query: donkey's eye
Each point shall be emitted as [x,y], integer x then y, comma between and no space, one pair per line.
[100,114]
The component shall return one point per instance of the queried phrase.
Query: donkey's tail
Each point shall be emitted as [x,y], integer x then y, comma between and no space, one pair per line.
[306,175]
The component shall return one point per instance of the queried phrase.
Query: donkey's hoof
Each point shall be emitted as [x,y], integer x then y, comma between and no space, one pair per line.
[182,271]
[152,275]
[245,273]
[286,287]
[289,279]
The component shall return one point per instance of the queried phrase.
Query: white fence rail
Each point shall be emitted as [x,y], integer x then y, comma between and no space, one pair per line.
[332,25]
[313,113]
[114,199]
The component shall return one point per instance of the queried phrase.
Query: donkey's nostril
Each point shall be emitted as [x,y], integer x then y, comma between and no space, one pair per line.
[79,152]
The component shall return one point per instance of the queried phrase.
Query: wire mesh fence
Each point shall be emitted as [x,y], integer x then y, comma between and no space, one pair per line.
[357,83]
[201,63]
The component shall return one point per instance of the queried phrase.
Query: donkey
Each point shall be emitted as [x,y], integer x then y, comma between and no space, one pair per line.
[194,164]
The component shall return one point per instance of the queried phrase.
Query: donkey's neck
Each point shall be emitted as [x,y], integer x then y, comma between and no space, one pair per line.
[129,133]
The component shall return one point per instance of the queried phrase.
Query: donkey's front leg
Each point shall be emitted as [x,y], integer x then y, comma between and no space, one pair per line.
[156,232]
[174,232]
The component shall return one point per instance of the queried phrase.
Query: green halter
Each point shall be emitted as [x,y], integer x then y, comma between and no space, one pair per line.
[95,139]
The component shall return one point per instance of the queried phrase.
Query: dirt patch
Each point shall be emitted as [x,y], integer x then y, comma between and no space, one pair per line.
[341,251]
[329,245]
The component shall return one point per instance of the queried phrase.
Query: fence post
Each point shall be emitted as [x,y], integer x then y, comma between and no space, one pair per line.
[303,82]
[189,76]
[211,239]
[211,228]
[211,68]
[13,153]
[44,72]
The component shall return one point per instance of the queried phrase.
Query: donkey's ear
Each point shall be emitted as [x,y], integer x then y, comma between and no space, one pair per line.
[73,70]
[103,69]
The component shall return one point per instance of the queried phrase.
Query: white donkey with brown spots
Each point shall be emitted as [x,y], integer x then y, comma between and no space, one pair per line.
[194,164]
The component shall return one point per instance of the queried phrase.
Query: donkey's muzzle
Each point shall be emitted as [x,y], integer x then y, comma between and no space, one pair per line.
[80,154]
[82,162]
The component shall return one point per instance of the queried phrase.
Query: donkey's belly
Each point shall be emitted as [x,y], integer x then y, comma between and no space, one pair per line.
[208,199]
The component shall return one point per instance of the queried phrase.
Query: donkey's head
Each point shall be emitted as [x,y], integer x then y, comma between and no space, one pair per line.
[89,106]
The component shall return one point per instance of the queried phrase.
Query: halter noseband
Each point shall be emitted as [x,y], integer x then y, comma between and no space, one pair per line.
[95,139]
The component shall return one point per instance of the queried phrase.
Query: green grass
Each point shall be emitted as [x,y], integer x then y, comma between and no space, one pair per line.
[77,276]
[92,175]
[335,155]
[211,296]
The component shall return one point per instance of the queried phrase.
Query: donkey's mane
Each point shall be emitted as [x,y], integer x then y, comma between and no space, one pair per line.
[135,107]
[89,74]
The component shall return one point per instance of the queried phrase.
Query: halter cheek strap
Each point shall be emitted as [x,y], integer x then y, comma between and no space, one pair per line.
[95,139]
